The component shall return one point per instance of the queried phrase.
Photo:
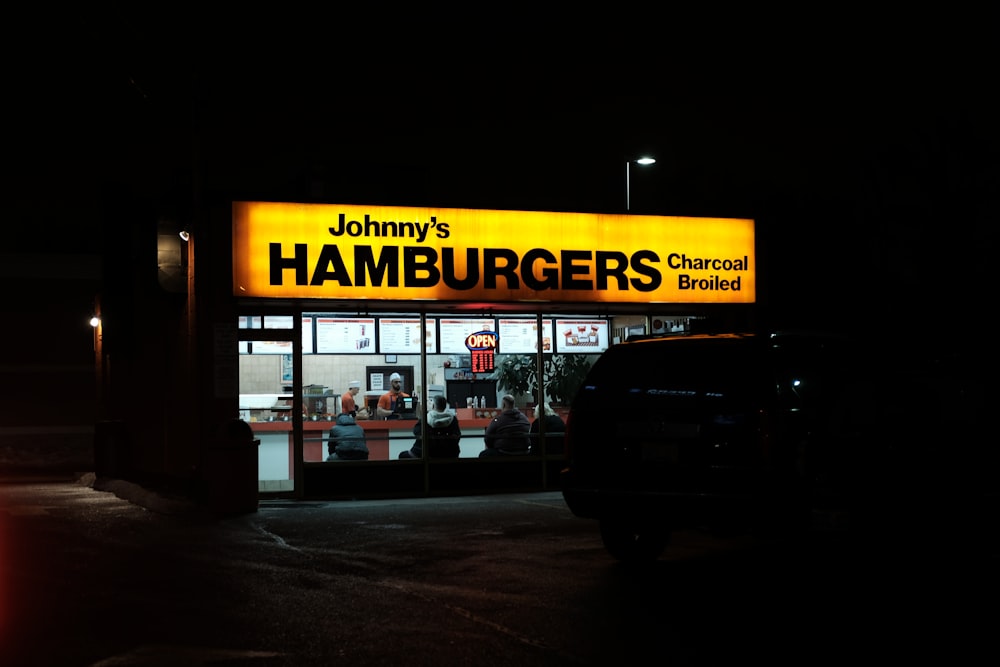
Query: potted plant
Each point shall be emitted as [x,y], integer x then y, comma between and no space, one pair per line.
[515,374]
[562,375]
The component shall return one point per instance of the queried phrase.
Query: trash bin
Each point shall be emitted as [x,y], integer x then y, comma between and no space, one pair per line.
[111,449]
[232,471]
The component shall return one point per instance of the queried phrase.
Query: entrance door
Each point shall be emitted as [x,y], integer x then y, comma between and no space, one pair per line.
[270,398]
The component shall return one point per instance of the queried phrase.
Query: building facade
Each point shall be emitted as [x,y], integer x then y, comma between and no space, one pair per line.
[267,311]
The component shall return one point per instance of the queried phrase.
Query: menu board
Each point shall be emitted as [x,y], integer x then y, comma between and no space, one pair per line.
[278,322]
[403,336]
[275,322]
[520,336]
[455,330]
[271,347]
[307,335]
[581,336]
[345,335]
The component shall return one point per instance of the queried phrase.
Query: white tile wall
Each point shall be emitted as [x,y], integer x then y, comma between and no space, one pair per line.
[261,373]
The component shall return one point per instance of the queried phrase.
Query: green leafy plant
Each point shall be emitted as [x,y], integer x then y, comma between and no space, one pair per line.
[516,374]
[562,375]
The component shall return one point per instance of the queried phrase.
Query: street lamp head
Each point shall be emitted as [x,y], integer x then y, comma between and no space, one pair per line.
[643,161]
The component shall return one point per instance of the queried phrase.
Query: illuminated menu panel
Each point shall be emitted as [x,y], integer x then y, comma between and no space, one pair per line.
[345,335]
[520,336]
[278,322]
[581,336]
[271,347]
[274,322]
[403,336]
[455,330]
[307,335]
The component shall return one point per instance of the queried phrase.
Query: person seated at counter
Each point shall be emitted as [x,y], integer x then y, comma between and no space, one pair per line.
[508,432]
[443,433]
[555,429]
[389,405]
[347,440]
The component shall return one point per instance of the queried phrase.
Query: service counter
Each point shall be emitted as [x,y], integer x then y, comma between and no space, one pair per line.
[378,433]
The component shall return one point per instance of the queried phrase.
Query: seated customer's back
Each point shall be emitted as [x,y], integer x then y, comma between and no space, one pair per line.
[508,432]
[547,420]
[347,440]
[443,433]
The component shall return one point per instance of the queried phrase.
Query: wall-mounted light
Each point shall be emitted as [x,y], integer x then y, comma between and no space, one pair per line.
[173,246]
[95,321]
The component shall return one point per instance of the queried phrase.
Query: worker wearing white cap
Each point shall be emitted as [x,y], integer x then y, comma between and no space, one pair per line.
[387,403]
[347,404]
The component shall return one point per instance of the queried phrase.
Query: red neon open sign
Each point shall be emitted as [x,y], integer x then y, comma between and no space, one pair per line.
[482,340]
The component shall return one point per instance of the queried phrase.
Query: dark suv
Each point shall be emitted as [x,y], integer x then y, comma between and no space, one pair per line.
[732,430]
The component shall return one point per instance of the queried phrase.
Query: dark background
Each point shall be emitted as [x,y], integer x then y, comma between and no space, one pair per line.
[864,145]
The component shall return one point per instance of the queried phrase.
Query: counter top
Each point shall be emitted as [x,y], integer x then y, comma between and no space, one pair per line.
[366,424]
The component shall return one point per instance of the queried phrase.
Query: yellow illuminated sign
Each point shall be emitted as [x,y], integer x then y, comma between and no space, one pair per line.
[332,251]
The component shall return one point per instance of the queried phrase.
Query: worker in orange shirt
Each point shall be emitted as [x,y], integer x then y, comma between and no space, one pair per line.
[347,404]
[388,403]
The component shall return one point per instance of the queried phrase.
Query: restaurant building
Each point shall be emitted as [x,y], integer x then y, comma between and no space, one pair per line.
[267,311]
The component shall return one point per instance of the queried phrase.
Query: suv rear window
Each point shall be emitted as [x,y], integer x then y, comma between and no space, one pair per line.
[709,368]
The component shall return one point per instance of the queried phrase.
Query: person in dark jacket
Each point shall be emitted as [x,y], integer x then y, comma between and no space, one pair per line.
[508,432]
[443,433]
[347,440]
[554,428]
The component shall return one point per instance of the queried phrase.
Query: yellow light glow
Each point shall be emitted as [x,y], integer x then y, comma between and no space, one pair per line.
[330,251]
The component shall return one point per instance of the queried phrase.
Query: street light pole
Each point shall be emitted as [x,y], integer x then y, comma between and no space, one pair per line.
[628,173]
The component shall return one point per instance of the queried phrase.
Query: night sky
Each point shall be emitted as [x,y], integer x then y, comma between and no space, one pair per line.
[865,147]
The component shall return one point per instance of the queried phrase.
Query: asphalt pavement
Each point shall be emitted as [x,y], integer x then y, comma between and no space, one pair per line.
[120,575]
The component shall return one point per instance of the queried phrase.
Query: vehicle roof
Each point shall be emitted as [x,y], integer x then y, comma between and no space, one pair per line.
[690,336]
[736,335]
